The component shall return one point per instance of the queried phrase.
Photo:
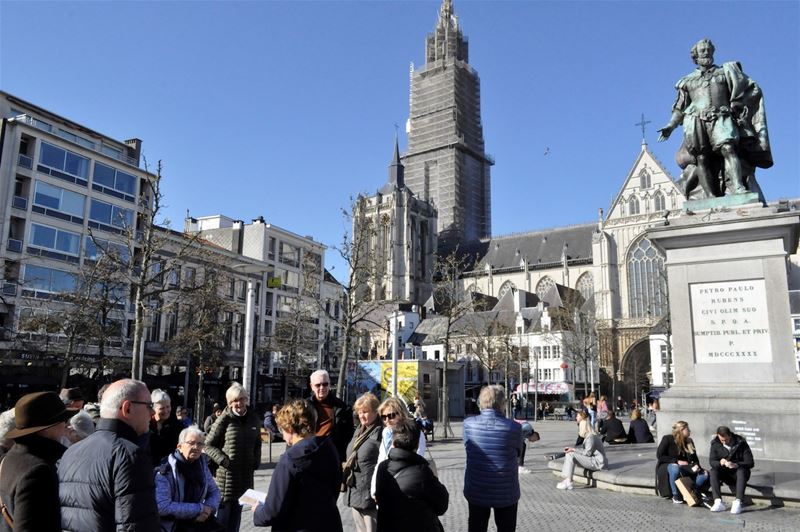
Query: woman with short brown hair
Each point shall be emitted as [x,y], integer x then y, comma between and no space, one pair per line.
[311,464]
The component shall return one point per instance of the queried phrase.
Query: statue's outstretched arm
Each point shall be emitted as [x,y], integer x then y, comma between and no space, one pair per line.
[674,121]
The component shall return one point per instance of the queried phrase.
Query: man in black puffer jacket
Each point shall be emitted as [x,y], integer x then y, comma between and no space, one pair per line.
[106,480]
[731,461]
[409,495]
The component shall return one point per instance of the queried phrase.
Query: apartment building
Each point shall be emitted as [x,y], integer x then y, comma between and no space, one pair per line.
[298,293]
[59,182]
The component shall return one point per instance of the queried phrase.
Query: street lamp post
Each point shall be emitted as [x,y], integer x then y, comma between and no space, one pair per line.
[247,368]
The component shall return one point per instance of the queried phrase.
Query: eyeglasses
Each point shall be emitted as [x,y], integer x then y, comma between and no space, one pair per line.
[389,415]
[148,404]
[322,385]
[194,443]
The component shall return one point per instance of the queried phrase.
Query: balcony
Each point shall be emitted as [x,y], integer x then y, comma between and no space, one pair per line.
[25,162]
[14,245]
[38,124]
[19,202]
[9,289]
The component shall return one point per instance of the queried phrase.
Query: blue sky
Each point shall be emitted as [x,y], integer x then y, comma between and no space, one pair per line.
[287,109]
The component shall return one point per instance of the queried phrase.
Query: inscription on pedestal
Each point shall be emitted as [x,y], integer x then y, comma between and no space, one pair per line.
[730,322]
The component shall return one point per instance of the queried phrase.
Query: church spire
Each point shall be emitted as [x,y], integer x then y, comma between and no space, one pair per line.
[446,42]
[396,168]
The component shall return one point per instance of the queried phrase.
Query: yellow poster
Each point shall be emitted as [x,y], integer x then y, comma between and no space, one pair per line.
[407,379]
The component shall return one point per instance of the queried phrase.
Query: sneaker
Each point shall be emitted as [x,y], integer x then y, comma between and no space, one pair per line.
[736,507]
[719,506]
[677,500]
[564,485]
[523,471]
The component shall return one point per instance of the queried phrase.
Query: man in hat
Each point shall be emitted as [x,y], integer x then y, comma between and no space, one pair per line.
[28,476]
[106,480]
[72,398]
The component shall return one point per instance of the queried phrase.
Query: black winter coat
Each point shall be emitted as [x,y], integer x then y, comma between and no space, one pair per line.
[409,495]
[668,453]
[29,484]
[342,423]
[303,490]
[106,482]
[234,444]
[163,442]
[740,452]
[612,429]
[639,432]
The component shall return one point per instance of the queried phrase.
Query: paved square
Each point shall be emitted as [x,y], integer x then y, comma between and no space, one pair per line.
[543,508]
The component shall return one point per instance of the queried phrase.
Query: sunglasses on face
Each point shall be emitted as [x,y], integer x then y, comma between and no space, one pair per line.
[388,415]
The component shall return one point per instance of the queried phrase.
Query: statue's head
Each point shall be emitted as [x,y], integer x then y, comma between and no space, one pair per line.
[703,52]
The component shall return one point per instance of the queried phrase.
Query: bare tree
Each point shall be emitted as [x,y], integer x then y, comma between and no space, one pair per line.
[149,273]
[451,302]
[361,308]
[203,326]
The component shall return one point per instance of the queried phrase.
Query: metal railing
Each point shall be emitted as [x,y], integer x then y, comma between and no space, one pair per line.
[38,124]
[25,161]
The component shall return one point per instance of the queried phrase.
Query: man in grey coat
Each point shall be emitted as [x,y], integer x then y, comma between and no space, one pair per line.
[106,480]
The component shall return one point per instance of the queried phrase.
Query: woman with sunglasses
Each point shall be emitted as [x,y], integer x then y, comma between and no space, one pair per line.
[392,411]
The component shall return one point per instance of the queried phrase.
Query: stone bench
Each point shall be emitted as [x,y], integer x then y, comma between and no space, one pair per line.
[632,470]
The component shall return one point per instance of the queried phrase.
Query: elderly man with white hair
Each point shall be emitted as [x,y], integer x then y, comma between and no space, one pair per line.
[491,478]
[234,444]
[106,480]
[186,493]
[334,417]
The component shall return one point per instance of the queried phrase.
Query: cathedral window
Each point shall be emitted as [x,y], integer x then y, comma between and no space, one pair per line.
[543,286]
[644,179]
[647,285]
[633,206]
[585,285]
[508,285]
[659,202]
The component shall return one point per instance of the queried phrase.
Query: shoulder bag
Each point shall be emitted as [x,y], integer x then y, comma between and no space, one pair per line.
[349,467]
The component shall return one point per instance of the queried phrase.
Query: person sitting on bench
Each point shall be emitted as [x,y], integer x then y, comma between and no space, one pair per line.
[731,461]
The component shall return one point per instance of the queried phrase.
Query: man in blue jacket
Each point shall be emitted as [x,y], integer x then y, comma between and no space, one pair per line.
[491,479]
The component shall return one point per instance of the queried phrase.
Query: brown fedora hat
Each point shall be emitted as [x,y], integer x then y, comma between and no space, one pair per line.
[37,411]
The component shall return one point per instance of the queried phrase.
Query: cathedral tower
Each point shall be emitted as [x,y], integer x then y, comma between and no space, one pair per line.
[446,163]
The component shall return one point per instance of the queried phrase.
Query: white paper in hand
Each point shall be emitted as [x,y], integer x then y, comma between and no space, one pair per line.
[252,498]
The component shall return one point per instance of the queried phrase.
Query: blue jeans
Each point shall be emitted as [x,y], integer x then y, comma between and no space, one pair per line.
[675,470]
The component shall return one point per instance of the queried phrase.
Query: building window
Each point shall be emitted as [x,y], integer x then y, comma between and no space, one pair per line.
[546,351]
[646,280]
[556,351]
[663,354]
[96,247]
[543,286]
[659,202]
[508,285]
[537,352]
[585,285]
[644,178]
[44,279]
[633,206]
[61,200]
[46,237]
[111,178]
[289,254]
[110,215]
[189,277]
[64,160]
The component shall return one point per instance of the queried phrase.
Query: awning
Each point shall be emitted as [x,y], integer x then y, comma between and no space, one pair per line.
[555,388]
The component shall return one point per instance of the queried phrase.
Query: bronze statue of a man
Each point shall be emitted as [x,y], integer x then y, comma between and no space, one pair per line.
[724,126]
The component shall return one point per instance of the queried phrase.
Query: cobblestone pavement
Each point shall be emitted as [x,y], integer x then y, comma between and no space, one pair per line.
[544,508]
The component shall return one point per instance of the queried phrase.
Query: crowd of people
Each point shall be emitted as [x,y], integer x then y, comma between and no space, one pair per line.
[126,463]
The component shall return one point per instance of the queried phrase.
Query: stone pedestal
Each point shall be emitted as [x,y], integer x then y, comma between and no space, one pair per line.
[732,341]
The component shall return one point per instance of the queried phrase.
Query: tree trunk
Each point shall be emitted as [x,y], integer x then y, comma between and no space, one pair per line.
[342,379]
